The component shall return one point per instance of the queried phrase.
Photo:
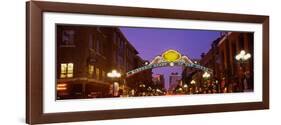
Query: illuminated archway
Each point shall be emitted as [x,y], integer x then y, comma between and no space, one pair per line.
[167,59]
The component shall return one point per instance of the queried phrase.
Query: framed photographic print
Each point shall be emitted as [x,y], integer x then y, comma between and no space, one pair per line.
[95,62]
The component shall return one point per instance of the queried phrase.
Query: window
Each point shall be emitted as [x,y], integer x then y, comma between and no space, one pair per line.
[120,60]
[66,70]
[97,73]
[69,70]
[103,74]
[241,41]
[91,70]
[90,41]
[114,37]
[101,47]
[67,38]
[63,68]
[98,46]
[121,48]
[234,52]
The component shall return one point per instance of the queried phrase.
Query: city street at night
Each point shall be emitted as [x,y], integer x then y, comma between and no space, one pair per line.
[110,62]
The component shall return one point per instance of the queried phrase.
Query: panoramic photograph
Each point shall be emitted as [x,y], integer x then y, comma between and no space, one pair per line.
[119,62]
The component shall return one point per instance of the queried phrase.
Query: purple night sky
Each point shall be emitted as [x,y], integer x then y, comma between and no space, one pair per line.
[151,42]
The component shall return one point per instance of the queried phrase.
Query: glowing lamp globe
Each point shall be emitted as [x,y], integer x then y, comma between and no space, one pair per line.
[171,55]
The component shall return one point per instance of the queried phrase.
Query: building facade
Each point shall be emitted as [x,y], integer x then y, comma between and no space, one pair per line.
[229,74]
[232,74]
[174,81]
[159,81]
[84,56]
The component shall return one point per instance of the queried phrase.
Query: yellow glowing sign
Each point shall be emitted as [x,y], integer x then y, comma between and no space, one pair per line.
[61,87]
[171,55]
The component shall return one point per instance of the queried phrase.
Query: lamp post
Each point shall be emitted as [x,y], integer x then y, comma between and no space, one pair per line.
[193,82]
[114,75]
[206,76]
[142,89]
[192,86]
[185,86]
[242,58]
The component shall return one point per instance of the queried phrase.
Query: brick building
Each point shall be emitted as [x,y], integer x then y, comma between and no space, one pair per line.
[85,54]
[229,74]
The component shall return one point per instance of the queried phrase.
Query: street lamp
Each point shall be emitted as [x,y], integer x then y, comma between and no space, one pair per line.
[185,86]
[113,75]
[242,56]
[206,75]
[193,82]
[146,63]
[142,88]
[142,85]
